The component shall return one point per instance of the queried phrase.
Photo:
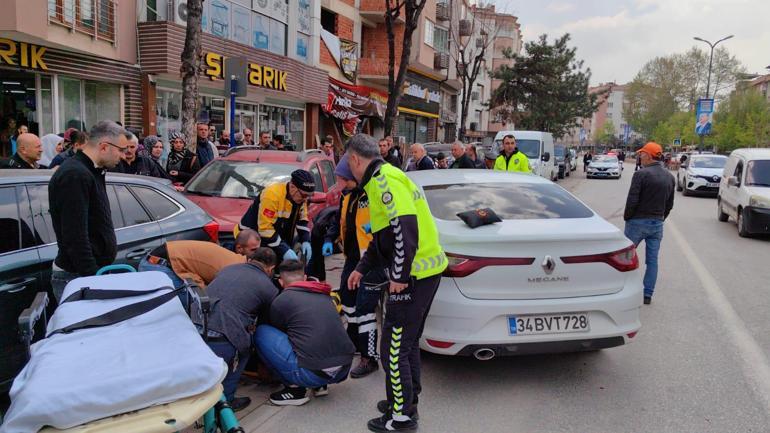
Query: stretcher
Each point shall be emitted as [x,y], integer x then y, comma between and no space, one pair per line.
[119,355]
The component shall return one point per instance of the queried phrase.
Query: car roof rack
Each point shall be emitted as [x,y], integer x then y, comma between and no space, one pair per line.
[305,154]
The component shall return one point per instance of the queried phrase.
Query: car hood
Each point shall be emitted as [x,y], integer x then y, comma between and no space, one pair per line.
[706,171]
[226,211]
[758,190]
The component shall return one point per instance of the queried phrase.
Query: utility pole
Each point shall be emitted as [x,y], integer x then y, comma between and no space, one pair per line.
[708,81]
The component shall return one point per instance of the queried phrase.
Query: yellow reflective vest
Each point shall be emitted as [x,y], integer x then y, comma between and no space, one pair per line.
[518,161]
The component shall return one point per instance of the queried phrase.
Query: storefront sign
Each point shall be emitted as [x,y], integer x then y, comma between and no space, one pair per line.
[259,75]
[421,93]
[348,103]
[22,54]
[345,53]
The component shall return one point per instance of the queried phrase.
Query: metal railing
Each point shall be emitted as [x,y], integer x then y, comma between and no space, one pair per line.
[92,17]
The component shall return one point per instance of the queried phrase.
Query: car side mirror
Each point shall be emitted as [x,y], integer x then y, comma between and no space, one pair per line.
[318,197]
[546,157]
[733,181]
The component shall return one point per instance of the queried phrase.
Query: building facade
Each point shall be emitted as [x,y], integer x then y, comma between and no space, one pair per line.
[67,64]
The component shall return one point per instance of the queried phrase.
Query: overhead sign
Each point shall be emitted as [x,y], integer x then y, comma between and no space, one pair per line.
[345,53]
[704,113]
[421,93]
[348,103]
[22,54]
[258,75]
[236,71]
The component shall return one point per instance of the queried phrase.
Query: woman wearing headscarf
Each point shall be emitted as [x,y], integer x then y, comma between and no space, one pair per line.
[182,164]
[50,143]
[154,150]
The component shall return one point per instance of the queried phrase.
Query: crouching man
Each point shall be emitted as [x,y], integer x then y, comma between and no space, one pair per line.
[307,345]
[240,295]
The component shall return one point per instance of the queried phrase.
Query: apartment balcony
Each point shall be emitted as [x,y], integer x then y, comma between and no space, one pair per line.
[442,11]
[95,18]
[374,11]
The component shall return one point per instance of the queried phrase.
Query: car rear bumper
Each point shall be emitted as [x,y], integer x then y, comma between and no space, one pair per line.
[471,324]
[757,220]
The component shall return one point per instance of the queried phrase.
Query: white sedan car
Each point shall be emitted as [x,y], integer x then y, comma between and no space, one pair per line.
[553,276]
[605,166]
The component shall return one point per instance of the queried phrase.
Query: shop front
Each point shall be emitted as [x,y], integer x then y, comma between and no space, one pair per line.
[49,90]
[283,95]
[418,111]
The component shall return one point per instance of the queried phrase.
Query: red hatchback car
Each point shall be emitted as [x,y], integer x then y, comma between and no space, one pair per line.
[226,187]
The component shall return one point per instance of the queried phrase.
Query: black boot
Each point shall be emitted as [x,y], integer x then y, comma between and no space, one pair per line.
[387,424]
[384,407]
[365,367]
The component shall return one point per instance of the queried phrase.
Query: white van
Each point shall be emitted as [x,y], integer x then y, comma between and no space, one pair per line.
[537,145]
[744,191]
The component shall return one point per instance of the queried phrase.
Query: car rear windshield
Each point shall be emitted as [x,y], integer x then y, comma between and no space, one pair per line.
[558,151]
[509,201]
[708,162]
[758,173]
[238,179]
[531,148]
[605,158]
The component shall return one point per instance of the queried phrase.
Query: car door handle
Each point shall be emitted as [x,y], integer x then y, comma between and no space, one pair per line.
[137,254]
[17,286]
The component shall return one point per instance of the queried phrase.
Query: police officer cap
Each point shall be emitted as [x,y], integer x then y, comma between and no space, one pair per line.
[303,180]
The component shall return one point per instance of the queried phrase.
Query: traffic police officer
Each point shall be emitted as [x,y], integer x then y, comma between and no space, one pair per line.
[405,240]
[510,158]
[280,209]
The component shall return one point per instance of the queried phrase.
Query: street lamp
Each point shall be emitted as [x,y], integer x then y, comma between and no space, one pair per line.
[711,61]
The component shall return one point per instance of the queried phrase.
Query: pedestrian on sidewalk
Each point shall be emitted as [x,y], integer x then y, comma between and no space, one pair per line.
[511,159]
[650,200]
[358,303]
[587,158]
[80,209]
[405,239]
[462,160]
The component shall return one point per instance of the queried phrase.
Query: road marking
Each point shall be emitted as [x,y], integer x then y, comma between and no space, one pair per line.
[754,362]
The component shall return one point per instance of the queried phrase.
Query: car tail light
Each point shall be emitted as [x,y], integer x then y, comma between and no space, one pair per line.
[624,260]
[212,229]
[631,334]
[439,344]
[462,266]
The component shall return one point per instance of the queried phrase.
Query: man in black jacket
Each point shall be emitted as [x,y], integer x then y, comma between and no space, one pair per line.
[133,163]
[461,158]
[387,154]
[240,295]
[80,210]
[305,344]
[28,153]
[650,200]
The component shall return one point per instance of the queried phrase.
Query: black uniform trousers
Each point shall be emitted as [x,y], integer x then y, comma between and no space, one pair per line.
[405,315]
[359,306]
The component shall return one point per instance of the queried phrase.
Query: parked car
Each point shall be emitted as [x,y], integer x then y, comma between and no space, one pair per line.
[744,191]
[700,174]
[606,166]
[563,160]
[553,276]
[146,212]
[538,146]
[226,187]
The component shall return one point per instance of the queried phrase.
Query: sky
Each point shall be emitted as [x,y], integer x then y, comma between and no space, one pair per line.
[616,38]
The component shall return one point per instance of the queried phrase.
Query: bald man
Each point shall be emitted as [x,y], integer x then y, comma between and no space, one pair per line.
[28,153]
[420,158]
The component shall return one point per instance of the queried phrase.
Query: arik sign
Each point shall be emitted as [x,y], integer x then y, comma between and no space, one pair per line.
[22,54]
[258,75]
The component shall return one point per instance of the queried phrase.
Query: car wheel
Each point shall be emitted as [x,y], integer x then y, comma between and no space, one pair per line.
[678,184]
[741,221]
[685,191]
[721,216]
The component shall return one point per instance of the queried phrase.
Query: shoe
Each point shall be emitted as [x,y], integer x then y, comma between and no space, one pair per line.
[239,403]
[290,396]
[647,300]
[321,392]
[387,424]
[364,368]
[384,407]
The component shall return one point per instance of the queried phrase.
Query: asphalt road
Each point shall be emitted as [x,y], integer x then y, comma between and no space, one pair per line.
[699,363]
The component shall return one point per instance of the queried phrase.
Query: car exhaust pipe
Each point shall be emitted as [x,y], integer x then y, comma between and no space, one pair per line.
[484,354]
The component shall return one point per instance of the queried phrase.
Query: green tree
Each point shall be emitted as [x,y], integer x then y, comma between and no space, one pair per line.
[679,125]
[546,89]
[742,121]
[607,134]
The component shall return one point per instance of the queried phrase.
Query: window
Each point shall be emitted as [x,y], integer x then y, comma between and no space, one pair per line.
[319,186]
[303,41]
[609,105]
[241,24]
[329,21]
[441,40]
[41,215]
[429,31]
[117,217]
[739,171]
[758,173]
[277,37]
[132,211]
[328,171]
[237,179]
[70,104]
[156,203]
[102,102]
[525,201]
[10,232]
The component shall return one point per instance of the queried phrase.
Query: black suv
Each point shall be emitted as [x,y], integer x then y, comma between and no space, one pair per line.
[145,212]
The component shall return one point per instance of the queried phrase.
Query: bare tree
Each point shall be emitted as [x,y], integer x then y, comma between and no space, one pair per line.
[191,59]
[469,56]
[410,10]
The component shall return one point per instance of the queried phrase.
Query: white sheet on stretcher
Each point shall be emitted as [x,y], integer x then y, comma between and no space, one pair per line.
[155,358]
